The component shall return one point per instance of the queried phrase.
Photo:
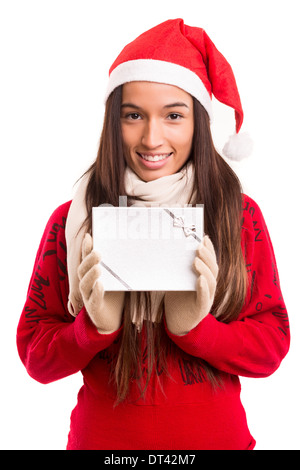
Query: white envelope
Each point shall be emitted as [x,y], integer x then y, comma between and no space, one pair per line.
[147,248]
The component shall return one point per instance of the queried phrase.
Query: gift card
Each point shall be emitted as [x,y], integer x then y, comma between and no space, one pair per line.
[147,248]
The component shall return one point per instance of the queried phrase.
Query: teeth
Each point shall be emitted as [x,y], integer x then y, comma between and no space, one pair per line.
[154,158]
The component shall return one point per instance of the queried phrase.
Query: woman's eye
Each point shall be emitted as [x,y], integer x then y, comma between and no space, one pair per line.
[175,116]
[133,116]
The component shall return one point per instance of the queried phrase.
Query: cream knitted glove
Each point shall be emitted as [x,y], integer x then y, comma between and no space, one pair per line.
[184,310]
[104,308]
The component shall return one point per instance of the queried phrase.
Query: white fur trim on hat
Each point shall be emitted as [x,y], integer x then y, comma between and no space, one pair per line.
[160,71]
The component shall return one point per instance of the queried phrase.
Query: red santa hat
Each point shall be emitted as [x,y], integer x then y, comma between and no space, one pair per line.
[184,56]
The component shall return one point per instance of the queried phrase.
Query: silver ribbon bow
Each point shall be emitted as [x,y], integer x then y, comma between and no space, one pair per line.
[188,229]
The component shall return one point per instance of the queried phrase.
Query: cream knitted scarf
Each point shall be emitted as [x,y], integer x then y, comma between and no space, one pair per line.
[168,191]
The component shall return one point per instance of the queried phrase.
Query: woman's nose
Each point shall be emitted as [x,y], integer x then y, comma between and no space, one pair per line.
[152,134]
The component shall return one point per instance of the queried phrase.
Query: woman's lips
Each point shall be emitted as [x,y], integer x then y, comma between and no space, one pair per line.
[154,160]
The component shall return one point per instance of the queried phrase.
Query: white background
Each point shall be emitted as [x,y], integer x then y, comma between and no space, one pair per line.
[54,61]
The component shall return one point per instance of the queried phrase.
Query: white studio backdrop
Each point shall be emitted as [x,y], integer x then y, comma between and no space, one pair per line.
[54,58]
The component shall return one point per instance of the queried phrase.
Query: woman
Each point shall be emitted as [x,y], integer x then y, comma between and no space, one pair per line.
[160,369]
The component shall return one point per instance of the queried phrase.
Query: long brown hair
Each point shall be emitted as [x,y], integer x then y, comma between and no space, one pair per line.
[219,189]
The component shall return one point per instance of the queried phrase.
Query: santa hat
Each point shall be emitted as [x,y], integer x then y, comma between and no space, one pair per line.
[176,54]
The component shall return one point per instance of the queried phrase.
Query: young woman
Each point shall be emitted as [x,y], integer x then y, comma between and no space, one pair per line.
[160,369]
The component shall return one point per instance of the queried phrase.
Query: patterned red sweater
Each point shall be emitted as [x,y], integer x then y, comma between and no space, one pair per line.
[180,410]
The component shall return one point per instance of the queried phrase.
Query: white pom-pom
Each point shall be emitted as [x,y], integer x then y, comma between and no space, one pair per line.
[238,147]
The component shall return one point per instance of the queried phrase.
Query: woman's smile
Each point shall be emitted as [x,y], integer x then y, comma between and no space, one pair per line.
[154,160]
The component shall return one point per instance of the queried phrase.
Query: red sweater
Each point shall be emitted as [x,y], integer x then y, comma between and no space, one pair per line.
[185,413]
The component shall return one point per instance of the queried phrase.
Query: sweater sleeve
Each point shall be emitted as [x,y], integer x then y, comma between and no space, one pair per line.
[51,343]
[255,344]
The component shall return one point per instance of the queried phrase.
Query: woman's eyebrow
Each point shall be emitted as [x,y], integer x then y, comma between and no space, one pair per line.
[175,105]
[130,105]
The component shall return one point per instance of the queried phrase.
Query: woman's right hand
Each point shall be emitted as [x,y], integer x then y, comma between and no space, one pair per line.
[105,309]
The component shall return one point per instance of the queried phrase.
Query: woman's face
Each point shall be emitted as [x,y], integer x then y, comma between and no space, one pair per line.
[157,124]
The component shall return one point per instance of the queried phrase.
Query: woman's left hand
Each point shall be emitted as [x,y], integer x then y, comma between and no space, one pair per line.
[184,310]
